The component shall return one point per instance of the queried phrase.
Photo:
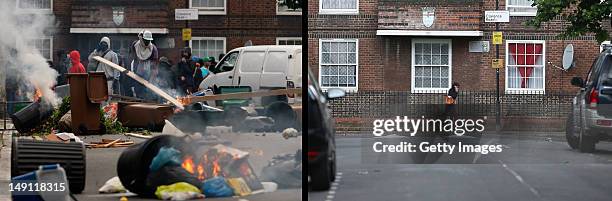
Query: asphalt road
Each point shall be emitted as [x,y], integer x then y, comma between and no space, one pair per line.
[102,163]
[526,169]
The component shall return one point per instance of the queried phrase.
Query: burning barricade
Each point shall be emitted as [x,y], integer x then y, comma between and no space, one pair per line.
[150,167]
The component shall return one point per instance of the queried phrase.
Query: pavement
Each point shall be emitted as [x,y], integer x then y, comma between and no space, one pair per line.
[5,163]
[528,168]
[102,162]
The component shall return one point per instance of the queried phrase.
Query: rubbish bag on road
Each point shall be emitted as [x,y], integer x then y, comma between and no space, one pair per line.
[166,156]
[285,170]
[113,185]
[171,174]
[178,191]
[216,187]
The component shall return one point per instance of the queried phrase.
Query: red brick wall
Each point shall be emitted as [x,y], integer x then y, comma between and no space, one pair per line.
[254,20]
[388,64]
[406,15]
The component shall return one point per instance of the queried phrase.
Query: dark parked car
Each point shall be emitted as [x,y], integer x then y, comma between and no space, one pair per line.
[590,120]
[321,131]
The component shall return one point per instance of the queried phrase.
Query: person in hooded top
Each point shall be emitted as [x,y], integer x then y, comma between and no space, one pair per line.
[144,60]
[75,60]
[185,69]
[104,50]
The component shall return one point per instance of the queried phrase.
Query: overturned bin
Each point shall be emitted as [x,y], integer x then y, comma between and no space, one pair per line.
[27,155]
[31,116]
[134,161]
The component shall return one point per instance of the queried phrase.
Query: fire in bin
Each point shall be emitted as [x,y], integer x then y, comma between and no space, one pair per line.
[222,161]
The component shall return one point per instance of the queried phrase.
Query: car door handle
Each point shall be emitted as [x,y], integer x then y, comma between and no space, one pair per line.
[230,77]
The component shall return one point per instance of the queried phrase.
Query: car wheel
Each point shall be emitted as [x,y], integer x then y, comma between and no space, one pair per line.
[570,132]
[319,177]
[587,143]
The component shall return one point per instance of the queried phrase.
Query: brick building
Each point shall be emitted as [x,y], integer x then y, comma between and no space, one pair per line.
[396,56]
[223,25]
[389,45]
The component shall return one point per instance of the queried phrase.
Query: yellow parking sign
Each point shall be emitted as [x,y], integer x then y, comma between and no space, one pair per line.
[187,34]
[497,63]
[497,38]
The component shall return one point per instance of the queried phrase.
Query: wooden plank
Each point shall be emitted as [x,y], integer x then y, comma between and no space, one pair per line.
[142,81]
[243,95]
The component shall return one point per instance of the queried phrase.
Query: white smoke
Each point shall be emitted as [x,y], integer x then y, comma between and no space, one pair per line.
[18,56]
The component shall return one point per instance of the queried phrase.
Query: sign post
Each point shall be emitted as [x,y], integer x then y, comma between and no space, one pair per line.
[497,16]
[186,15]
[497,103]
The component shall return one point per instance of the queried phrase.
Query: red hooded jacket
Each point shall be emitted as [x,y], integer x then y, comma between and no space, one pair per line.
[75,59]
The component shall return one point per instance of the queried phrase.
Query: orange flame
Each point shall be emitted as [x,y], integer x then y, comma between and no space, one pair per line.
[188,164]
[37,95]
[201,173]
[184,100]
[216,168]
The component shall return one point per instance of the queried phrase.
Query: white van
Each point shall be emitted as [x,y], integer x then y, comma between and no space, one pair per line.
[263,67]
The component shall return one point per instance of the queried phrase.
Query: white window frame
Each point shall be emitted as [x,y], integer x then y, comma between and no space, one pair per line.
[207,11]
[338,11]
[413,88]
[26,41]
[287,12]
[523,90]
[34,10]
[209,38]
[356,41]
[278,39]
[528,14]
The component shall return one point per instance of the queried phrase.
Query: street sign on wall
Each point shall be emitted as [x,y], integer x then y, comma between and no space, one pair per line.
[185,14]
[497,38]
[497,16]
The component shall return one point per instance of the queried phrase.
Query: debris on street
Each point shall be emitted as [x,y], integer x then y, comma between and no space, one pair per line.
[217,187]
[106,143]
[113,185]
[285,170]
[290,133]
[178,191]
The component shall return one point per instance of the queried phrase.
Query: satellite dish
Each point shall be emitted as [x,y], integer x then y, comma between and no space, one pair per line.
[568,57]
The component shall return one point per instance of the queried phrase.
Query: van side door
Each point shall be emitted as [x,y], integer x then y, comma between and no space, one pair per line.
[274,74]
[249,68]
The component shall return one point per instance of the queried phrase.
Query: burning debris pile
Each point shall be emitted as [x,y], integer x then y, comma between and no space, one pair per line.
[217,171]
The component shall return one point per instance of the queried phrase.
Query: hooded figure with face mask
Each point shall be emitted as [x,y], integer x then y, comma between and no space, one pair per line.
[104,50]
[185,69]
[144,60]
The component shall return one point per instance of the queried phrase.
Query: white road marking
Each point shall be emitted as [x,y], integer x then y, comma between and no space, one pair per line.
[334,186]
[520,179]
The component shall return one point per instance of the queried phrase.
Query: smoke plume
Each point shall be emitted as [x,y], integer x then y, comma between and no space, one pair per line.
[19,59]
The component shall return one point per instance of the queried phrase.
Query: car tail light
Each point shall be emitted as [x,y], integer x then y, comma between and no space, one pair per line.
[604,122]
[290,85]
[312,155]
[593,97]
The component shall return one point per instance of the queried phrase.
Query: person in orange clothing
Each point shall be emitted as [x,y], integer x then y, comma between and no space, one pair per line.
[77,66]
